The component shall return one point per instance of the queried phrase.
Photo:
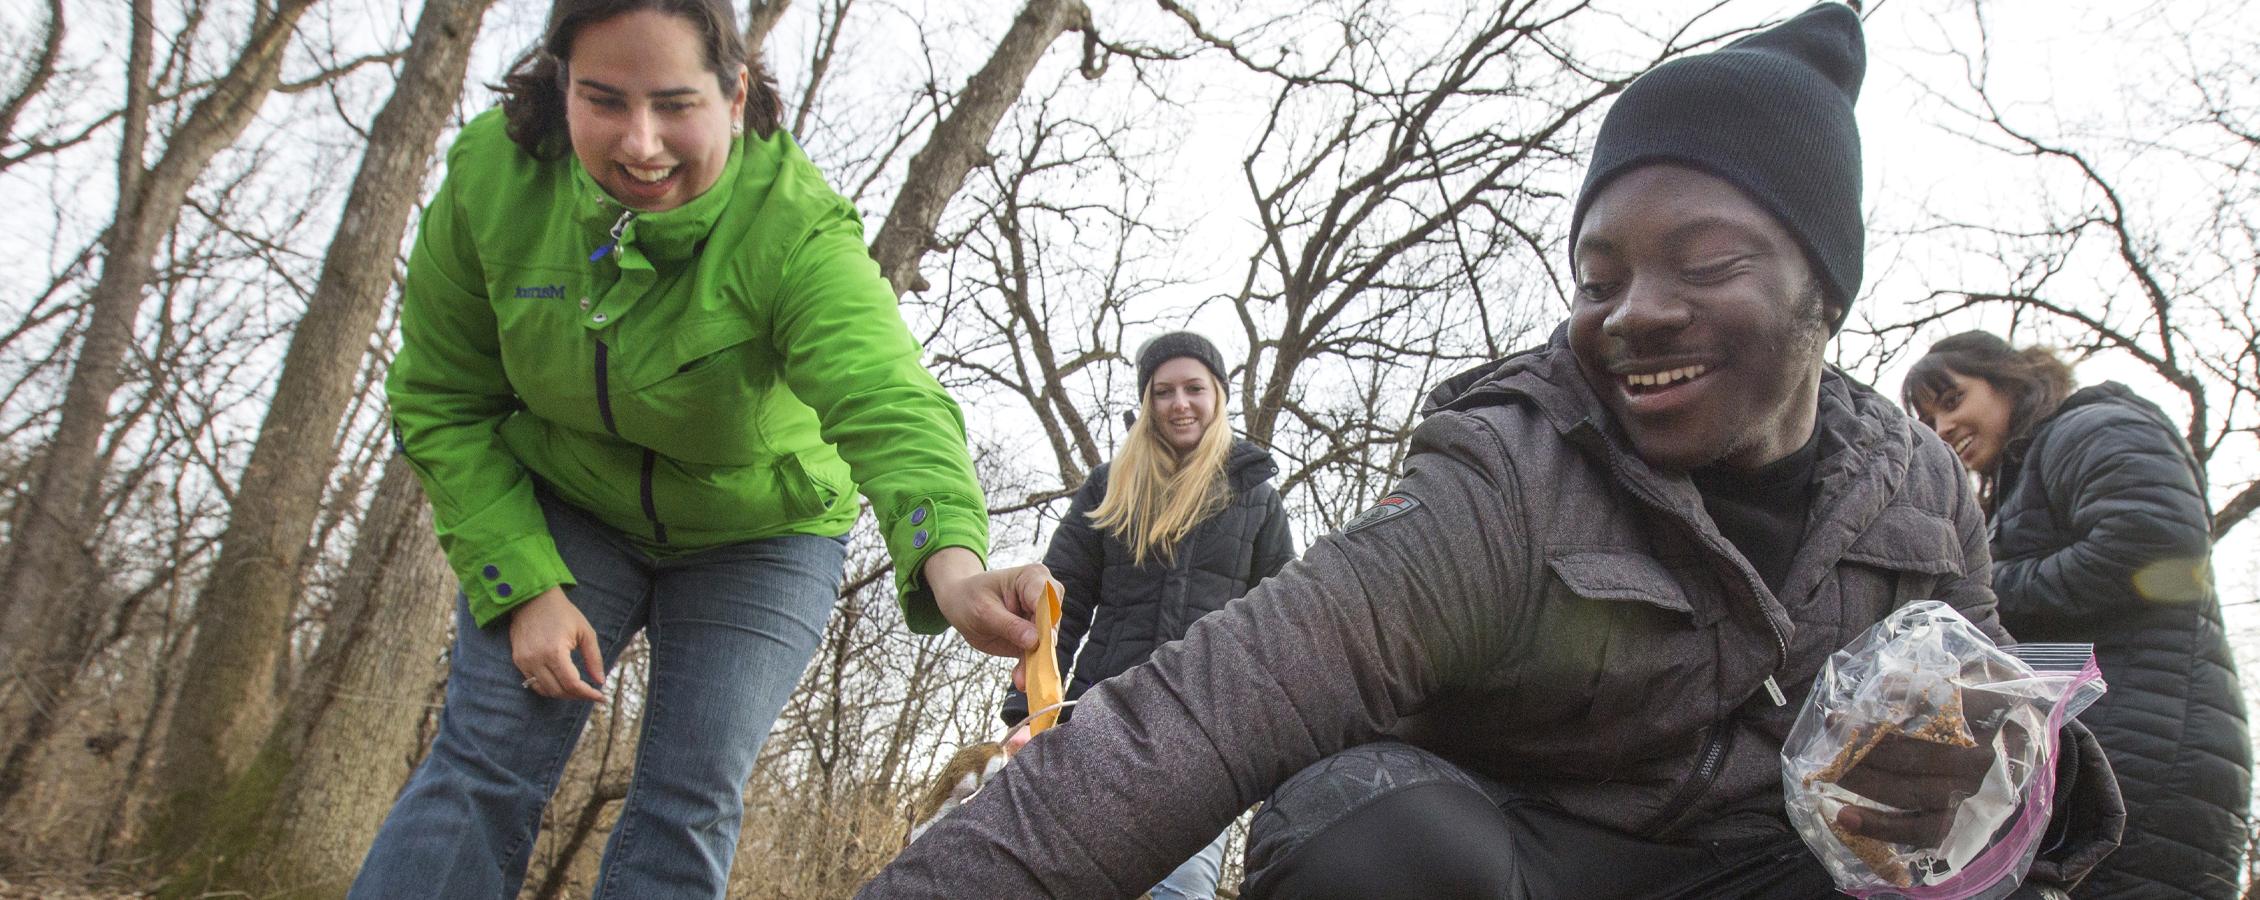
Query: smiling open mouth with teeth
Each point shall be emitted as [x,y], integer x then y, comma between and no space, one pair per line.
[649,176]
[1639,382]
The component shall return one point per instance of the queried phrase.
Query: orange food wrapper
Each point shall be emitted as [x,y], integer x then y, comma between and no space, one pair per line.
[1044,690]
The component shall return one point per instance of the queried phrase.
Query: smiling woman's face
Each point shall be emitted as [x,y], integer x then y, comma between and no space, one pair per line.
[647,118]
[1698,321]
[1972,417]
[1182,401]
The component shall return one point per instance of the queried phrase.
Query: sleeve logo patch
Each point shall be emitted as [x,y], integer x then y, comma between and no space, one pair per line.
[1390,507]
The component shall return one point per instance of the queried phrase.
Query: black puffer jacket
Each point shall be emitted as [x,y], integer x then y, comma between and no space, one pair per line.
[2102,536]
[1127,609]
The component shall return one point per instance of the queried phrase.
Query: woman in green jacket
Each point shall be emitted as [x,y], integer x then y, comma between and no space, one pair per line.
[646,363]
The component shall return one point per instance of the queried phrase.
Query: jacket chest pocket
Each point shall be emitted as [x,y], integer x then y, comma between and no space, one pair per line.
[1905,556]
[1628,640]
[697,352]
[702,386]
[544,347]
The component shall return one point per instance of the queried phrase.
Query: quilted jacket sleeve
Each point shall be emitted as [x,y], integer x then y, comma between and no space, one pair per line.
[2122,492]
[1275,544]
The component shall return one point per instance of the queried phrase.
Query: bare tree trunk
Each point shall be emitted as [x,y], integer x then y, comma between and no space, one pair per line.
[239,622]
[48,562]
[363,699]
[36,78]
[760,19]
[300,818]
[960,142]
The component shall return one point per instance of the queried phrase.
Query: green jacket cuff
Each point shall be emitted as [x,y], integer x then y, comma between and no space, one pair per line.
[917,532]
[498,577]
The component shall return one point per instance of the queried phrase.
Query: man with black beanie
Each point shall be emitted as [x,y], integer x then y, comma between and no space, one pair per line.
[1560,657]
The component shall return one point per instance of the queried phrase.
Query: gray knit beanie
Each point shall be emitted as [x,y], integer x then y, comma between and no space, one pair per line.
[1171,346]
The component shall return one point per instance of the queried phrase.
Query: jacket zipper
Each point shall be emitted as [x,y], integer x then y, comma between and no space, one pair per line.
[604,393]
[1780,642]
[650,458]
[1706,773]
[1721,739]
[619,227]
[604,389]
[651,506]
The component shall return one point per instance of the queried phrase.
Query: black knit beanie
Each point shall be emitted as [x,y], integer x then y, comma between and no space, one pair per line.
[1770,114]
[1171,346]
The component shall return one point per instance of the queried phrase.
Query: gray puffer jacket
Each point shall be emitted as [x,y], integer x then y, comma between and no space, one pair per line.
[2102,535]
[1534,603]
[1128,609]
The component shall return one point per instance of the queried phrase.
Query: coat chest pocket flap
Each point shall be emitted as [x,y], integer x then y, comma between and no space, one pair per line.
[694,345]
[1905,539]
[1625,577]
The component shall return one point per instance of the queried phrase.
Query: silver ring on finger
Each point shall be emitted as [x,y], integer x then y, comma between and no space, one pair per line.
[528,684]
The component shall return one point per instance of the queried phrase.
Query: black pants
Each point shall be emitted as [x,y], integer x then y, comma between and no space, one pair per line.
[1390,820]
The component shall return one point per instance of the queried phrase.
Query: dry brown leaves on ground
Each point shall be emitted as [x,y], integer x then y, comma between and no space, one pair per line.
[45,889]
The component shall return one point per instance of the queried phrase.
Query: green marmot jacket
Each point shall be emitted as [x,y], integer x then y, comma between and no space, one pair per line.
[725,371]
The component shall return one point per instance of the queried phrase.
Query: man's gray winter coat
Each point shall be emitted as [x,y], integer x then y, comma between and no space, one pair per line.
[1533,603]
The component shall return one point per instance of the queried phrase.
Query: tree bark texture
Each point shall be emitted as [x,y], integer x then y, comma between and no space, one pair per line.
[240,620]
[364,697]
[49,564]
[760,19]
[961,140]
[300,818]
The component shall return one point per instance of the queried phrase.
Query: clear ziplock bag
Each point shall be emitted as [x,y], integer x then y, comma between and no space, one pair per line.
[1924,683]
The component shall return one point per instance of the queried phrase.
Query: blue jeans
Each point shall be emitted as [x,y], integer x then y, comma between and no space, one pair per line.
[1196,878]
[730,630]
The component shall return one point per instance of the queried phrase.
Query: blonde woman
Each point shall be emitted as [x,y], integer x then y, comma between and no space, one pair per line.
[1182,521]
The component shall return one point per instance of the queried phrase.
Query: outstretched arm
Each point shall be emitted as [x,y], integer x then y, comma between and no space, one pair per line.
[1332,652]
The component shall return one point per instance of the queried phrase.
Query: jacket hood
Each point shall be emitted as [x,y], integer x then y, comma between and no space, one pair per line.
[2116,394]
[2091,399]
[1249,465]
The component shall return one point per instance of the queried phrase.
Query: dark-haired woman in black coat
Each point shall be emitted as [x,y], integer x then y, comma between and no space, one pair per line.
[2101,534]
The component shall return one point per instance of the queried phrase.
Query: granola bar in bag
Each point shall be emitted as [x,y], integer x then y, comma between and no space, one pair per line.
[1925,684]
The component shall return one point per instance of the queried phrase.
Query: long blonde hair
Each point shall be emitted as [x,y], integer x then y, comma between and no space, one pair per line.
[1154,496]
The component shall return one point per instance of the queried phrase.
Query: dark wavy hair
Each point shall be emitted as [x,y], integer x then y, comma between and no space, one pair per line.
[2034,379]
[533,92]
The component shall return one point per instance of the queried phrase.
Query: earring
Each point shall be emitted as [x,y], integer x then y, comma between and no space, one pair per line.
[737,128]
